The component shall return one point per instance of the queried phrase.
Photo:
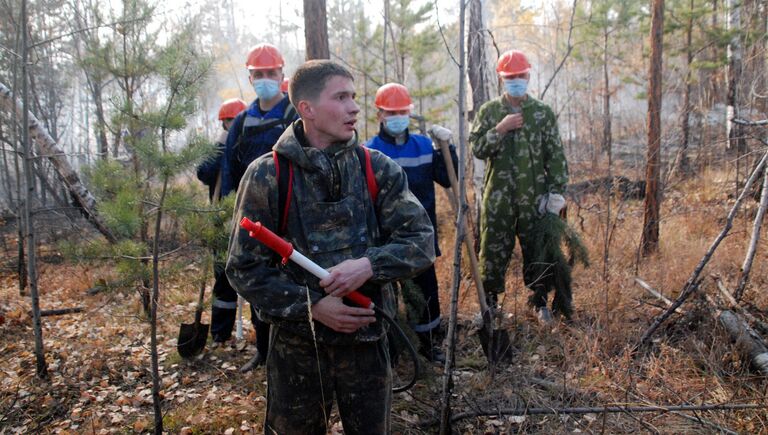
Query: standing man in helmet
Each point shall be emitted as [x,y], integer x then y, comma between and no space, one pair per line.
[526,175]
[323,349]
[253,133]
[209,172]
[423,165]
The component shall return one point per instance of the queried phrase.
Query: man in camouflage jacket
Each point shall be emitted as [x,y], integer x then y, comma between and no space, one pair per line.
[366,244]
[526,175]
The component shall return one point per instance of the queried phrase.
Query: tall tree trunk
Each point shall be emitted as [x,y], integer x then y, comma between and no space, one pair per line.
[6,172]
[316,30]
[606,97]
[41,366]
[650,239]
[384,40]
[683,164]
[445,411]
[477,63]
[734,131]
[21,265]
[479,79]
[714,81]
[101,121]
[38,169]
[156,379]
[49,148]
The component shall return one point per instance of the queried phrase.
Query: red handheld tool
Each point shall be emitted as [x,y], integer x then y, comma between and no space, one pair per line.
[285,250]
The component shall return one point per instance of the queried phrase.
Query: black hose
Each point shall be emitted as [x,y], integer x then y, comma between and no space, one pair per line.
[411,350]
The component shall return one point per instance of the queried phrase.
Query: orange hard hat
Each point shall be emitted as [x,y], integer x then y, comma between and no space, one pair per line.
[284,85]
[393,96]
[264,56]
[512,62]
[230,108]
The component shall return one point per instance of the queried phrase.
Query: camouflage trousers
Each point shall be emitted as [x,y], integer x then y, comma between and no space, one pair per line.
[500,223]
[358,376]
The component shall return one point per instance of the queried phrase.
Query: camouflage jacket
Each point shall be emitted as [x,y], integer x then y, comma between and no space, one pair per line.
[528,162]
[331,218]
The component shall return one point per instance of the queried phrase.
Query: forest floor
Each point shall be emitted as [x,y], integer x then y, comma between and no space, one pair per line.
[98,360]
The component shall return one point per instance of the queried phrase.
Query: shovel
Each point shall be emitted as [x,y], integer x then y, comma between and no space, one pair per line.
[192,337]
[495,342]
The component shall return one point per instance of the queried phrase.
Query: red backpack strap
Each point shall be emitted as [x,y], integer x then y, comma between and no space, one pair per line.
[284,175]
[370,178]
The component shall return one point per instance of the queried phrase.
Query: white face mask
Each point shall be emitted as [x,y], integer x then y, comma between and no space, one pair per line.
[516,87]
[396,124]
[266,89]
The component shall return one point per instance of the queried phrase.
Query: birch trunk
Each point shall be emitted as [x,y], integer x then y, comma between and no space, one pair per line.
[48,147]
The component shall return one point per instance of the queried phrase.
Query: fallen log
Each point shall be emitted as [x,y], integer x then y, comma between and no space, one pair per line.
[731,300]
[59,312]
[749,342]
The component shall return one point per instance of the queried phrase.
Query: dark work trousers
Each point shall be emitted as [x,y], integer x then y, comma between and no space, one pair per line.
[358,376]
[224,311]
[430,317]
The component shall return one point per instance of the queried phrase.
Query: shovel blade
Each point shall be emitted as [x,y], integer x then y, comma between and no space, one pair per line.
[192,338]
[495,342]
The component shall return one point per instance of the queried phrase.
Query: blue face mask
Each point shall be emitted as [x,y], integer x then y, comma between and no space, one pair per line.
[516,87]
[266,89]
[396,124]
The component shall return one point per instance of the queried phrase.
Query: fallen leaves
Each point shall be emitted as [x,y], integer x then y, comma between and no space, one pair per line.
[99,367]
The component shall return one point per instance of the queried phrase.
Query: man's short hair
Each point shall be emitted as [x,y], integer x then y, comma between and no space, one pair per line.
[308,82]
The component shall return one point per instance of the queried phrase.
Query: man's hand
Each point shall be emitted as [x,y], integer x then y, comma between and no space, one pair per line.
[509,123]
[331,312]
[347,276]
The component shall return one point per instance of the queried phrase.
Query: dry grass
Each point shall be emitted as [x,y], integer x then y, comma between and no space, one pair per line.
[691,360]
[99,357]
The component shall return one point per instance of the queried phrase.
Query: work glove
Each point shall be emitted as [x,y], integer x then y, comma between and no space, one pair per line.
[440,133]
[223,137]
[551,203]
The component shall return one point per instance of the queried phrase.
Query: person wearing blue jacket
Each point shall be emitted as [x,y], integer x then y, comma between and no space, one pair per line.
[224,306]
[423,165]
[253,133]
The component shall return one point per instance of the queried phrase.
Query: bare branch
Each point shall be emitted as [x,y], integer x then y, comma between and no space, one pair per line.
[746,268]
[658,295]
[442,35]
[568,50]
[751,123]
[599,410]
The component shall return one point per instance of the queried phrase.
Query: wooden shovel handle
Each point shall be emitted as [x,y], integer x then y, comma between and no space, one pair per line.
[469,240]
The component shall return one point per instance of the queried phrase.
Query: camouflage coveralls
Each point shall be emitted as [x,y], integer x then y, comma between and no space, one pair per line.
[521,166]
[331,219]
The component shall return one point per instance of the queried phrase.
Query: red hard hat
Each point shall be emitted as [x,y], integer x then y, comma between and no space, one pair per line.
[284,85]
[230,108]
[393,96]
[512,62]
[264,56]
